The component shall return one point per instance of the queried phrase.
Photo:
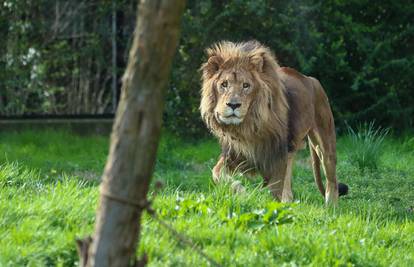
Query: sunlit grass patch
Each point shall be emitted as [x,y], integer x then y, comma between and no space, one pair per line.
[49,197]
[366,146]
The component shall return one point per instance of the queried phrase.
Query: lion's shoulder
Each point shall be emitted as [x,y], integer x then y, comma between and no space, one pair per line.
[292,72]
[290,75]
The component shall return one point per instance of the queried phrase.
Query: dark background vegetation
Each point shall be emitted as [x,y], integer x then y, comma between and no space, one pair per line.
[56,55]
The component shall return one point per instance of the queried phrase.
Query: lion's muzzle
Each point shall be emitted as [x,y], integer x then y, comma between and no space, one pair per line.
[233,106]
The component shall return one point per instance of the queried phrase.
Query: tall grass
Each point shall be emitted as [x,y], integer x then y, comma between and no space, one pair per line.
[366,146]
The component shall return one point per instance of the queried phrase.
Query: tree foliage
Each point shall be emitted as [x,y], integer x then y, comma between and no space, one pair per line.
[363,54]
[56,56]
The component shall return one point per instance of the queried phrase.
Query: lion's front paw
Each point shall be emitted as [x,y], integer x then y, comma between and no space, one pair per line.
[237,187]
[287,197]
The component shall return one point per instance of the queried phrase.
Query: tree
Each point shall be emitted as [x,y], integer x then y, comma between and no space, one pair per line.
[135,133]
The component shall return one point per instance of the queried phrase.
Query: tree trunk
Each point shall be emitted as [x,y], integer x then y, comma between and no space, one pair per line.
[135,133]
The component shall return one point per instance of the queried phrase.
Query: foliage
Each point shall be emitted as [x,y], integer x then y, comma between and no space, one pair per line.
[366,146]
[54,58]
[273,213]
[59,62]
[361,53]
[48,181]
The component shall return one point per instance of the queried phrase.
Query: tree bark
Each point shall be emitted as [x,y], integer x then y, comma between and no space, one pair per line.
[135,133]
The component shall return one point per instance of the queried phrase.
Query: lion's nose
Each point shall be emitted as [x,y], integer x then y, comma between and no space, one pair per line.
[233,105]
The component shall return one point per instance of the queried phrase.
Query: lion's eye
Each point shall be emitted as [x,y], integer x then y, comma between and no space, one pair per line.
[224,84]
[246,85]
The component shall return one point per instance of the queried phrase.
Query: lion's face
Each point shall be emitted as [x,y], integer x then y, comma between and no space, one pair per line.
[234,95]
[241,89]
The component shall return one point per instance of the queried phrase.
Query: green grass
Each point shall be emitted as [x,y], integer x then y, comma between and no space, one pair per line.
[49,191]
[366,146]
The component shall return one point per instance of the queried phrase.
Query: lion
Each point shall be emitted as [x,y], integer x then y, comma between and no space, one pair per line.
[262,113]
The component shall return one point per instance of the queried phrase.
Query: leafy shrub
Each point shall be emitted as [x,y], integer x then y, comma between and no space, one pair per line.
[232,213]
[361,53]
[274,213]
[365,149]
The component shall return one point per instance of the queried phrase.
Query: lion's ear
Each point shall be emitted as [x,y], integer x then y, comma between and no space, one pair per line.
[257,62]
[211,66]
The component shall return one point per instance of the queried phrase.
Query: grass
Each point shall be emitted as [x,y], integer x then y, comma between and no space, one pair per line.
[49,190]
[366,145]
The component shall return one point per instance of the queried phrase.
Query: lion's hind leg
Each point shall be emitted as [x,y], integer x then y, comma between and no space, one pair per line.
[277,176]
[325,148]
[287,195]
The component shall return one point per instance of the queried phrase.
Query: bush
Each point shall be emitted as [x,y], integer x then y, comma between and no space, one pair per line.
[365,149]
[361,52]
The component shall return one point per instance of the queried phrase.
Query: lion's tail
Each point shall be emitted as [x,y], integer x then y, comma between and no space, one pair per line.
[316,165]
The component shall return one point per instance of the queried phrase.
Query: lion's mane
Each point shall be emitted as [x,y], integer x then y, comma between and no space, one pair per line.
[262,136]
